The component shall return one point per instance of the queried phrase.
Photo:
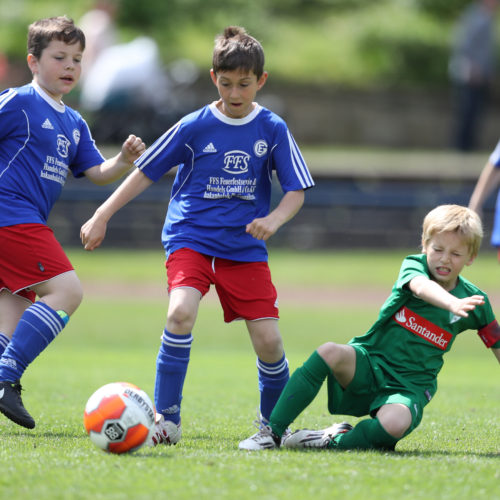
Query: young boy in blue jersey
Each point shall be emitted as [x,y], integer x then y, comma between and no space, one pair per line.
[218,221]
[41,140]
[390,373]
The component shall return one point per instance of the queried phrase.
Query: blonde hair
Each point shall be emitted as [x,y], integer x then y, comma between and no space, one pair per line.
[454,218]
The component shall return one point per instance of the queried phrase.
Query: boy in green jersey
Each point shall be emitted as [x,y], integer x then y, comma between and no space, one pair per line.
[390,372]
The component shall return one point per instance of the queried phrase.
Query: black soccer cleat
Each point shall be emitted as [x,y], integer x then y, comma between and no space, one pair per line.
[11,404]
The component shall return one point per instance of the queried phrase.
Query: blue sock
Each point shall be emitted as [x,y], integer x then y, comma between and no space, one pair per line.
[37,328]
[171,367]
[272,379]
[4,342]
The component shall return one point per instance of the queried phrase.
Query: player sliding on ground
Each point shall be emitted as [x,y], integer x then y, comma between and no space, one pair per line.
[390,373]
[218,221]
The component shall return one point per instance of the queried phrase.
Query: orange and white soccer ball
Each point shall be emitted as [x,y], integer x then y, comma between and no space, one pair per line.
[119,417]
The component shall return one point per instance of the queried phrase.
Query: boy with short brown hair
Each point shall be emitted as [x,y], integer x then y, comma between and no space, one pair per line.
[218,221]
[41,141]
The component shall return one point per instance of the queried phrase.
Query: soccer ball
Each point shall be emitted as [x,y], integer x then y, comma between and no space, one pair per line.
[119,417]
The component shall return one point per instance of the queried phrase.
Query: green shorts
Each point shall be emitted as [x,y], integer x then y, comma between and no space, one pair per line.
[370,389]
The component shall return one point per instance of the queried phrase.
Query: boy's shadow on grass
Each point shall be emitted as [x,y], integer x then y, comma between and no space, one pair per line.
[447,453]
[407,454]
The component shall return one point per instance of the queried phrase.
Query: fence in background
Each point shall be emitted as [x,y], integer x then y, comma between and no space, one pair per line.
[374,206]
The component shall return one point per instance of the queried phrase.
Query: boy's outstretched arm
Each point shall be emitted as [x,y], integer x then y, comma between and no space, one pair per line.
[435,294]
[114,168]
[93,231]
[264,227]
[488,181]
[496,353]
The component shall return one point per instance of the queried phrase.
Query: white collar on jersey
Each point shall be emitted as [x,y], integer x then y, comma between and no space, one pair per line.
[58,106]
[234,121]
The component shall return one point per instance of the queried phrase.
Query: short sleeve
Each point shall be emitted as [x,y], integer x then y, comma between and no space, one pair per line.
[289,163]
[87,154]
[412,266]
[495,156]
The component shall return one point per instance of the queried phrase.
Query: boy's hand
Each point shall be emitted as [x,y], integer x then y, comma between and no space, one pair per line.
[461,307]
[92,233]
[132,148]
[263,228]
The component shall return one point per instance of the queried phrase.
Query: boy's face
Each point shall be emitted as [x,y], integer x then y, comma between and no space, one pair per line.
[237,90]
[447,254]
[58,69]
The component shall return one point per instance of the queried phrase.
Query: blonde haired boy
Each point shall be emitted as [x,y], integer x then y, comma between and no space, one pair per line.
[390,373]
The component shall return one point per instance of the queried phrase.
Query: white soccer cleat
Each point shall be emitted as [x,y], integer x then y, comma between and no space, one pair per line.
[264,439]
[307,438]
[164,431]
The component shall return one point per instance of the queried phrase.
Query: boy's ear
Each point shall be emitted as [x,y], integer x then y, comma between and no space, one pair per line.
[262,80]
[471,260]
[213,76]
[32,63]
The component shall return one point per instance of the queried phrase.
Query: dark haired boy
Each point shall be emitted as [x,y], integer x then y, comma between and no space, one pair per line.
[41,141]
[218,221]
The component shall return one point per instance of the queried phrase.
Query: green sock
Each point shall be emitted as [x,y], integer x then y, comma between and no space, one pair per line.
[298,393]
[367,435]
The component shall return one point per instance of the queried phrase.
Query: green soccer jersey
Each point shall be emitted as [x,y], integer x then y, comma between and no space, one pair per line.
[410,337]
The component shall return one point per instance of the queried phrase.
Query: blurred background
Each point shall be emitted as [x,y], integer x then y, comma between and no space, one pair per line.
[395,104]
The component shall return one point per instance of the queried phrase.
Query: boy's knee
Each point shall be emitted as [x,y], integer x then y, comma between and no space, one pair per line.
[328,350]
[395,419]
[180,319]
[77,296]
[335,354]
[269,348]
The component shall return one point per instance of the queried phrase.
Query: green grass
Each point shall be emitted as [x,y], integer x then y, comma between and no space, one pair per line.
[323,268]
[452,455]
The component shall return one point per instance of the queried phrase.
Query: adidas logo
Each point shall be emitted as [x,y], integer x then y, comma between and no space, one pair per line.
[47,124]
[210,148]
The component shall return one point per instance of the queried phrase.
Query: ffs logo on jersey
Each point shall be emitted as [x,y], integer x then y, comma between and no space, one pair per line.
[62,145]
[236,162]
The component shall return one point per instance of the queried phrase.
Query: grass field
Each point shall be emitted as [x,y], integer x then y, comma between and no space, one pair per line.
[454,454]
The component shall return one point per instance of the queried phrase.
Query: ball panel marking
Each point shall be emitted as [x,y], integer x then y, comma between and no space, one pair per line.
[119,417]
[110,407]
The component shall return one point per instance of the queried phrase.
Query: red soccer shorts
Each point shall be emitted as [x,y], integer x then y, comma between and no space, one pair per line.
[245,289]
[30,255]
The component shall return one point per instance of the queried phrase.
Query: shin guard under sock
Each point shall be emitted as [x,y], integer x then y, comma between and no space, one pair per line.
[272,378]
[367,435]
[299,392]
[38,327]
[171,368]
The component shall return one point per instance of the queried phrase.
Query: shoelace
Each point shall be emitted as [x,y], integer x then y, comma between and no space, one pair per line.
[265,430]
[17,388]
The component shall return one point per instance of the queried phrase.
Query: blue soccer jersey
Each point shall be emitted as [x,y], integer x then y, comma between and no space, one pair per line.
[40,141]
[224,179]
[495,235]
